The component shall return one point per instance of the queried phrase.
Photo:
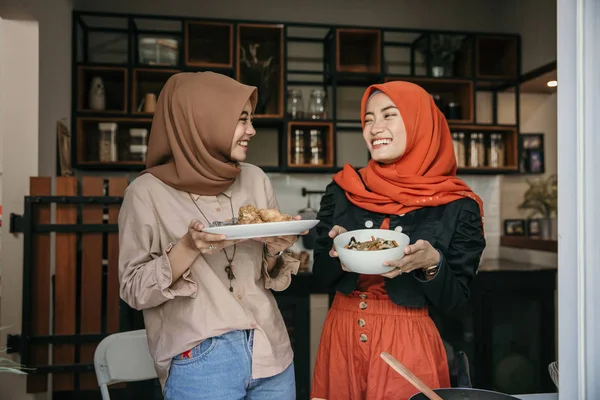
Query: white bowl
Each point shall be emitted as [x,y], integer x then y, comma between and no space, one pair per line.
[370,262]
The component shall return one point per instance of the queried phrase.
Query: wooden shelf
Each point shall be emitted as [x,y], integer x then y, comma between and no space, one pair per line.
[209,44]
[524,242]
[163,49]
[88,137]
[148,81]
[358,50]
[349,57]
[449,90]
[462,64]
[269,39]
[114,80]
[509,138]
[325,132]
[496,57]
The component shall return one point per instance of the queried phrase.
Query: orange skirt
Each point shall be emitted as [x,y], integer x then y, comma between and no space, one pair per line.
[361,326]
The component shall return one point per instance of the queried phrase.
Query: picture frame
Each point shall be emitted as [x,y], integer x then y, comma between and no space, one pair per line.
[515,227]
[534,228]
[531,153]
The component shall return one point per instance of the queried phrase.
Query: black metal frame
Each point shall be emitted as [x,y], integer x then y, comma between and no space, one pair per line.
[27,225]
[330,77]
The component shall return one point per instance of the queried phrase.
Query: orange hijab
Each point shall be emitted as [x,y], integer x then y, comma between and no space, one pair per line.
[425,175]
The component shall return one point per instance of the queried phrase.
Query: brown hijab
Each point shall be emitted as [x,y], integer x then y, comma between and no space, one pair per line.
[192,132]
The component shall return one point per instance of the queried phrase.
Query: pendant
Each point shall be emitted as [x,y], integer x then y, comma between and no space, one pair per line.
[230,276]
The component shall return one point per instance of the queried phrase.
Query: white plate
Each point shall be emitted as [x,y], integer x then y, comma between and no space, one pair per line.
[250,231]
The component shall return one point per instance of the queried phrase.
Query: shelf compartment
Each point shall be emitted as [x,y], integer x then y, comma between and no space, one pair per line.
[114,80]
[266,41]
[449,90]
[358,50]
[88,140]
[264,148]
[439,63]
[105,48]
[509,137]
[209,44]
[158,50]
[148,81]
[496,57]
[299,153]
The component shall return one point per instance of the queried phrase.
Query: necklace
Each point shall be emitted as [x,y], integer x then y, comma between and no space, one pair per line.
[229,266]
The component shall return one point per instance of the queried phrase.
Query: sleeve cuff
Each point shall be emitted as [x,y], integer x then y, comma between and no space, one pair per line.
[289,266]
[184,286]
[420,275]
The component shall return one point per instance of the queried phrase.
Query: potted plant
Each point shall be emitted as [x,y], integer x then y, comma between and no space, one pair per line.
[8,365]
[439,51]
[541,198]
[257,72]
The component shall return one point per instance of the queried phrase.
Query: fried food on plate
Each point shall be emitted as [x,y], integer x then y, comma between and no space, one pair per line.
[251,215]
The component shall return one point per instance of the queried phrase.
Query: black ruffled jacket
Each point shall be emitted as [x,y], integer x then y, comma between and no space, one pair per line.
[455,229]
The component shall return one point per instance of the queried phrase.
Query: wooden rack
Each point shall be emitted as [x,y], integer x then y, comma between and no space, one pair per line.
[336,59]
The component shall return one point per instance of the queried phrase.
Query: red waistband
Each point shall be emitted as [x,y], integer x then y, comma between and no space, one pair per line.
[369,304]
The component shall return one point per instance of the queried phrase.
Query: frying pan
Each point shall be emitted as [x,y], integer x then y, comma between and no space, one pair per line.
[465,392]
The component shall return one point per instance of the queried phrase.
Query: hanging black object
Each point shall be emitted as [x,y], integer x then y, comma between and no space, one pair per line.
[308,240]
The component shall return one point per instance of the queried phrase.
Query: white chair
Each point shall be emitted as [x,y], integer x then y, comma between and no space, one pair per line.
[123,357]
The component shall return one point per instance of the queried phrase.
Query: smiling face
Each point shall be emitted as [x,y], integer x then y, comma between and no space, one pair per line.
[384,131]
[244,131]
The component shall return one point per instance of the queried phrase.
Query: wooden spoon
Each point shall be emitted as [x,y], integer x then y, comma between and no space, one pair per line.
[409,376]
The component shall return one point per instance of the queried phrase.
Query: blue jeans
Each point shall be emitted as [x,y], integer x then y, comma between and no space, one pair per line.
[220,368]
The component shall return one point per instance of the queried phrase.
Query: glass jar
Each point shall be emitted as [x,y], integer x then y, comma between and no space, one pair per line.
[298,147]
[316,147]
[107,142]
[481,152]
[474,151]
[315,138]
[317,108]
[458,140]
[496,151]
[453,111]
[295,104]
[138,144]
[316,156]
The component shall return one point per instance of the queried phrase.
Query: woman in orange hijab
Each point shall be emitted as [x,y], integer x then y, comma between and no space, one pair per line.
[410,183]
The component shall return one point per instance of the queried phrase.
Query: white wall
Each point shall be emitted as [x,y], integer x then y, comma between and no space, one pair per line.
[536,22]
[538,115]
[439,14]
[19,99]
[54,20]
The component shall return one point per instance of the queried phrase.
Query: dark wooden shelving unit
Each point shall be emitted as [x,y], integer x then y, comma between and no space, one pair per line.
[450,90]
[325,132]
[209,44]
[147,81]
[115,88]
[358,51]
[108,46]
[258,44]
[497,57]
[510,139]
[87,151]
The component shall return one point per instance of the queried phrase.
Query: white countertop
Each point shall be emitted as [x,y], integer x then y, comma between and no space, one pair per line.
[538,396]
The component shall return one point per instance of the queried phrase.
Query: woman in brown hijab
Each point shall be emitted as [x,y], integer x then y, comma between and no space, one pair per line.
[214,329]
